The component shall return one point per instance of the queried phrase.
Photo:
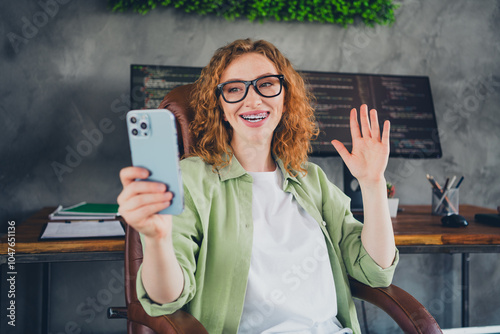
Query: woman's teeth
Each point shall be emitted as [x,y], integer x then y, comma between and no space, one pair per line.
[254,118]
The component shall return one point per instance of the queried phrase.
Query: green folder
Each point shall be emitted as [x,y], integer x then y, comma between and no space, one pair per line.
[91,209]
[86,210]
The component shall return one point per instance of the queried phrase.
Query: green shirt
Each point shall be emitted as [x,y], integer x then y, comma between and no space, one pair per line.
[213,243]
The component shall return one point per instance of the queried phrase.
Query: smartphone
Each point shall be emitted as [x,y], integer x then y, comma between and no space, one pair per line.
[152,136]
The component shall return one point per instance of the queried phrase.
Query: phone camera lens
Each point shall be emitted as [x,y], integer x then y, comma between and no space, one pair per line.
[133,120]
[144,126]
[135,132]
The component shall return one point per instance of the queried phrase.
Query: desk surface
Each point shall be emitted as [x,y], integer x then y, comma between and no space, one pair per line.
[28,232]
[414,226]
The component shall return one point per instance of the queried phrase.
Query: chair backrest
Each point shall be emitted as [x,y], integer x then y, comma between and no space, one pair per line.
[177,101]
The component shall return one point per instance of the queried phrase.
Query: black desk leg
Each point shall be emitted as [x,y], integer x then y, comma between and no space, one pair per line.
[46,297]
[465,289]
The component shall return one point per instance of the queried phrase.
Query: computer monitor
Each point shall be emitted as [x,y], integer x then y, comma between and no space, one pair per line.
[150,83]
[404,100]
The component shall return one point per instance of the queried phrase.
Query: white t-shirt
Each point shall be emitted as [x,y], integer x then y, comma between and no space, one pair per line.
[290,285]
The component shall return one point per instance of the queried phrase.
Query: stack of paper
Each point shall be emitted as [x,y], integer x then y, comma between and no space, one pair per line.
[84,211]
[83,220]
[83,229]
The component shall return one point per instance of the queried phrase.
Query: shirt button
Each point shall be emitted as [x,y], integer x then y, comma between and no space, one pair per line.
[324,223]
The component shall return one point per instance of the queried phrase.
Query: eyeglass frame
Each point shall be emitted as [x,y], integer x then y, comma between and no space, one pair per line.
[247,84]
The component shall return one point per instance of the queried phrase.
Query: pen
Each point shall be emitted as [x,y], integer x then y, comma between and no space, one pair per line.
[446,183]
[435,185]
[459,182]
[452,182]
[431,180]
[437,190]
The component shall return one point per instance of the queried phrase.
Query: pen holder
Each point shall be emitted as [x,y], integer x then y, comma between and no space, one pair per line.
[445,204]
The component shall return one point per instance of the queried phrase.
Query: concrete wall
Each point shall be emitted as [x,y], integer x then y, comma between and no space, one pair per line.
[64,71]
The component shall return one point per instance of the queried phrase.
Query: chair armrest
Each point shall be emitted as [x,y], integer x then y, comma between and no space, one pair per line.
[403,308]
[178,322]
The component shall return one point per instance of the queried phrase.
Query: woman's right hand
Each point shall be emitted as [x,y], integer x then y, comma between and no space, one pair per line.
[140,201]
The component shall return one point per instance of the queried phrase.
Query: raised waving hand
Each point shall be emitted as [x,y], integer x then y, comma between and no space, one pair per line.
[370,148]
[367,163]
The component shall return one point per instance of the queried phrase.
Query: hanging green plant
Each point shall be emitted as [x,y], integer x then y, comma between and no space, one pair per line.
[343,12]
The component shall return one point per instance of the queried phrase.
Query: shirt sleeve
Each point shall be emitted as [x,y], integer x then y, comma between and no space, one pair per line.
[345,231]
[359,264]
[186,239]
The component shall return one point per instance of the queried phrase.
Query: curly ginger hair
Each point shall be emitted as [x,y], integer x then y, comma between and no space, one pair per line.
[292,136]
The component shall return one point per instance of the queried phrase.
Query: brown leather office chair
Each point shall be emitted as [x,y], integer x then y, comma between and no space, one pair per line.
[407,312]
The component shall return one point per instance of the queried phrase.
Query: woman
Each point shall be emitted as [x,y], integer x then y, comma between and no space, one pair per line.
[265,242]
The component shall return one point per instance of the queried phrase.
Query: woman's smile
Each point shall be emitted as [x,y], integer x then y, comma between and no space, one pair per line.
[254,118]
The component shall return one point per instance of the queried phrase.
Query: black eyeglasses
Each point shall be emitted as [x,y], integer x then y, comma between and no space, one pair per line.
[236,91]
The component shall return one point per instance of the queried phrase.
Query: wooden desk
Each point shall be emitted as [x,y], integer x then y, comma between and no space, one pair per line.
[415,230]
[28,249]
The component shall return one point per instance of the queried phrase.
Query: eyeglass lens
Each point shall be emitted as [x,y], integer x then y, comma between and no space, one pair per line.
[267,86]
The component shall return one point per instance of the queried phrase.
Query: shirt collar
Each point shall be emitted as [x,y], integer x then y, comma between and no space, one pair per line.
[235,170]
[286,175]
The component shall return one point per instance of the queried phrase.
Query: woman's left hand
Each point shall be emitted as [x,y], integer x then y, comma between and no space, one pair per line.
[370,148]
